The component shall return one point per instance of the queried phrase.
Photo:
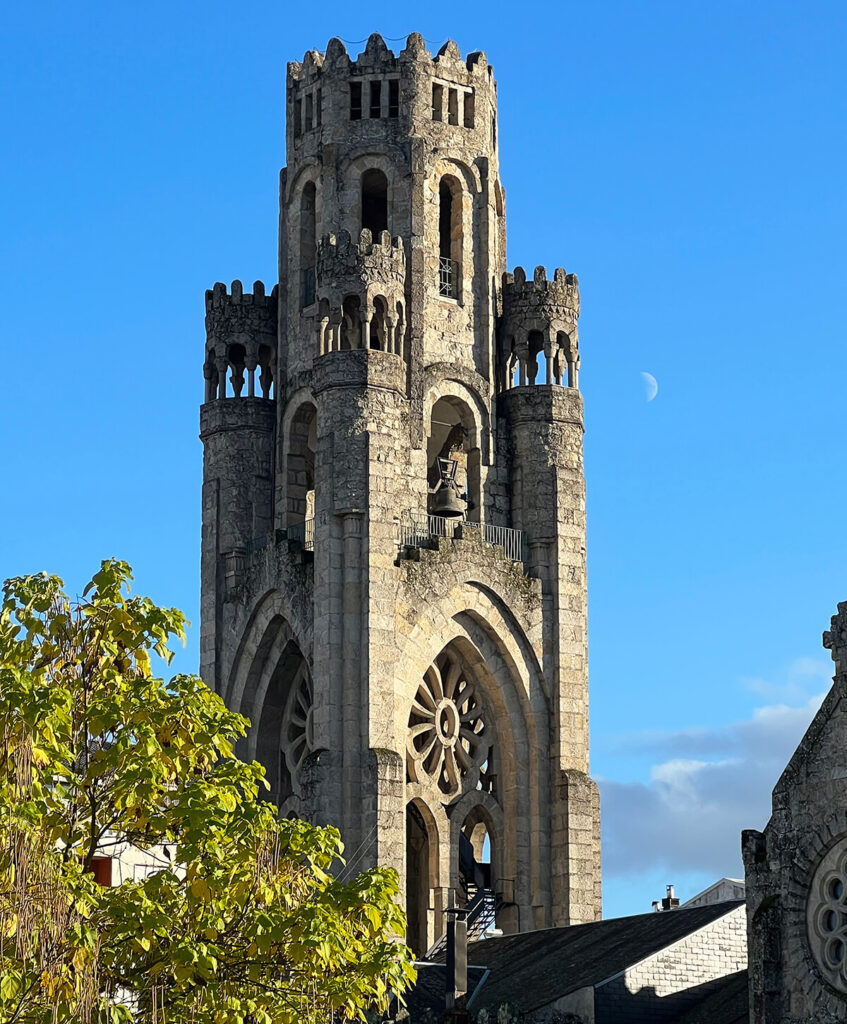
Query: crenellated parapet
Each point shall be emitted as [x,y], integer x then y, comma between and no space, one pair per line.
[241,333]
[539,319]
[360,292]
[335,97]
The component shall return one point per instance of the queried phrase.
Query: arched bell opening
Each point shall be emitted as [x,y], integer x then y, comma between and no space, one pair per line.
[421,876]
[351,322]
[300,465]
[453,461]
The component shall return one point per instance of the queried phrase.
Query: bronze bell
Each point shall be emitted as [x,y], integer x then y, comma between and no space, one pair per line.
[446,502]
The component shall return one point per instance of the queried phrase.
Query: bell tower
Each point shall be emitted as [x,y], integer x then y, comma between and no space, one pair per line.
[393,566]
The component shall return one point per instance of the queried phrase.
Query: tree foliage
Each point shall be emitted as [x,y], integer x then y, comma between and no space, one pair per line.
[242,922]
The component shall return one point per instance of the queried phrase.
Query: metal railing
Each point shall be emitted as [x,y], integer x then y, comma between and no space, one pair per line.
[448,277]
[303,534]
[419,529]
[480,917]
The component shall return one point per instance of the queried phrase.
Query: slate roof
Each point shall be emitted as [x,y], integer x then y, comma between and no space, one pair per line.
[728,1004]
[430,988]
[532,969]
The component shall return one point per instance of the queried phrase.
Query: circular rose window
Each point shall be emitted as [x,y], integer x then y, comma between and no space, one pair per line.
[826,916]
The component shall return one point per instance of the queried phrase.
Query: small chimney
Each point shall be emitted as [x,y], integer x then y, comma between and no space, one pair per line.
[670,902]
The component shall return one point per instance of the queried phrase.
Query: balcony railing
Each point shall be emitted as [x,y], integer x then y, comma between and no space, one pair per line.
[448,278]
[420,530]
[302,534]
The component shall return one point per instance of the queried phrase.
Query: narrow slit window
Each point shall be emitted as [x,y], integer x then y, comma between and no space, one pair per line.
[493,131]
[437,102]
[310,111]
[298,117]
[318,104]
[469,110]
[355,101]
[453,106]
[376,99]
[393,97]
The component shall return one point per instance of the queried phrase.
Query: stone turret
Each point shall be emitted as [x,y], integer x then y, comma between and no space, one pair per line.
[394,513]
[540,319]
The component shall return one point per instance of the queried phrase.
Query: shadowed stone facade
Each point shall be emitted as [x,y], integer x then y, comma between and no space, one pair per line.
[796,871]
[393,555]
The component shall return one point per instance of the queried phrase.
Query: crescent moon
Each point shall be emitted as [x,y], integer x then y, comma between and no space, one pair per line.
[651,386]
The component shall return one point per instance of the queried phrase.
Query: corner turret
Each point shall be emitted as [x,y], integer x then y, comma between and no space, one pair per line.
[539,317]
[241,330]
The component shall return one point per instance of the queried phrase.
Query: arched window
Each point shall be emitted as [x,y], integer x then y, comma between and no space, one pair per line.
[452,440]
[536,347]
[374,201]
[351,323]
[449,237]
[300,465]
[308,228]
[379,325]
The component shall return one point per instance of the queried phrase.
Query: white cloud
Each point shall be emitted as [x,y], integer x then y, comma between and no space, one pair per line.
[705,787]
[801,678]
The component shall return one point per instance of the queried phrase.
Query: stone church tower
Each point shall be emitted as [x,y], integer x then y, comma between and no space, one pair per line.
[393,557]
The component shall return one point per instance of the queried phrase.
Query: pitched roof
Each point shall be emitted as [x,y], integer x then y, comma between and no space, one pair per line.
[429,990]
[532,969]
[728,1004]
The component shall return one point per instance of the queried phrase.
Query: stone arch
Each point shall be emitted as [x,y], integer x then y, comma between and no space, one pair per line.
[520,741]
[453,435]
[380,326]
[270,607]
[309,170]
[351,322]
[350,174]
[443,380]
[271,684]
[299,435]
[451,236]
[422,872]
[373,201]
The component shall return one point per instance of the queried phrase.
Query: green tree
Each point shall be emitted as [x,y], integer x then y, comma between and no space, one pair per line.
[244,923]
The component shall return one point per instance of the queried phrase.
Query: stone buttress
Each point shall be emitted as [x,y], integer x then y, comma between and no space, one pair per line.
[393,567]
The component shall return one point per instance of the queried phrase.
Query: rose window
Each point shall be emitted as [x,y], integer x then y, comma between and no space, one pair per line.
[826,916]
[297,729]
[447,741]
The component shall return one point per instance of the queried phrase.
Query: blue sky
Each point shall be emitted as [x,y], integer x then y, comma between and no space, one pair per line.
[685,160]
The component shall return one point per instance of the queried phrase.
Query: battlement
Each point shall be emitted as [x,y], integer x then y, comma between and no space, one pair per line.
[241,331]
[380,94]
[520,293]
[218,297]
[368,261]
[377,56]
